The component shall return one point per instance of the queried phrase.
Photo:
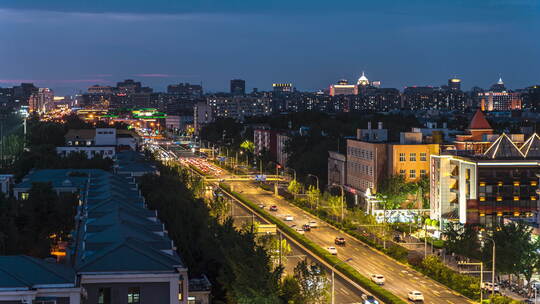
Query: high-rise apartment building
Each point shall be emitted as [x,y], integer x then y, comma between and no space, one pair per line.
[238,87]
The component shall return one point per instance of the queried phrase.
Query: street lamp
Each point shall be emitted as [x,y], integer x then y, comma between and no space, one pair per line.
[492,267]
[340,262]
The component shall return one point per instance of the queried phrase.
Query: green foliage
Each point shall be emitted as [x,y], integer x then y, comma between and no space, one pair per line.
[238,268]
[32,226]
[394,191]
[290,291]
[462,239]
[464,284]
[352,273]
[294,187]
[313,282]
[516,252]
[248,146]
[313,195]
[499,299]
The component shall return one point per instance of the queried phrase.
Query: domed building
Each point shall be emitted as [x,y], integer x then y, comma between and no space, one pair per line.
[363,80]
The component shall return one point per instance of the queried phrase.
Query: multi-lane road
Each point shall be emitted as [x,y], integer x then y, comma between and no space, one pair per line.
[400,279]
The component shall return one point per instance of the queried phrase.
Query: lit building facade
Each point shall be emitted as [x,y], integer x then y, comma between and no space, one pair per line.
[487,188]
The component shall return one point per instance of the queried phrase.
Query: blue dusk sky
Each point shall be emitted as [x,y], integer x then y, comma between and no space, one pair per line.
[69,45]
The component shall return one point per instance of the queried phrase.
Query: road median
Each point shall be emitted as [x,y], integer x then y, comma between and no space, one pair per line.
[349,271]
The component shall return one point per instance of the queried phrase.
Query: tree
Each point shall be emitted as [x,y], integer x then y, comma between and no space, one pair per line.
[294,187]
[290,291]
[462,239]
[248,146]
[276,249]
[314,285]
[313,195]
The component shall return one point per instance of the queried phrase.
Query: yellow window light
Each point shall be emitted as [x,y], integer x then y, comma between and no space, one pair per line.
[516,184]
[482,198]
[499,213]
[499,198]
[499,184]
[516,198]
[482,184]
[482,214]
[533,198]
[534,183]
[516,213]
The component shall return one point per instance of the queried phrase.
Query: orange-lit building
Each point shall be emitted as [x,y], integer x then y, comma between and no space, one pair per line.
[410,158]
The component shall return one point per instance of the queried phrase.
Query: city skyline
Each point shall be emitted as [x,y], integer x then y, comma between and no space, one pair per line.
[312,46]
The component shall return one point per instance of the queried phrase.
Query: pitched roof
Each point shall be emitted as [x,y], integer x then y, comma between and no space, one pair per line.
[531,148]
[503,148]
[25,272]
[479,121]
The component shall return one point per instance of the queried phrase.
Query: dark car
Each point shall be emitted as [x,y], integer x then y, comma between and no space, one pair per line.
[273,208]
[340,241]
[306,227]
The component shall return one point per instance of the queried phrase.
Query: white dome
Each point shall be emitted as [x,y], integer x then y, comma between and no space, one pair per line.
[363,80]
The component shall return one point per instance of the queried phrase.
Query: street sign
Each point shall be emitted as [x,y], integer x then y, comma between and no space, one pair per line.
[267,229]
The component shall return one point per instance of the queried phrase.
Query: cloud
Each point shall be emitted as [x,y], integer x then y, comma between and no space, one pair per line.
[154,75]
[54,81]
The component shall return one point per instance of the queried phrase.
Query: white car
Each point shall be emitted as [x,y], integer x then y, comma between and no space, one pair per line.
[415,295]
[313,224]
[489,287]
[332,250]
[301,231]
[289,218]
[377,279]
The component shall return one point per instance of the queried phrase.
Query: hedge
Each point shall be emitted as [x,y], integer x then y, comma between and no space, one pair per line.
[352,273]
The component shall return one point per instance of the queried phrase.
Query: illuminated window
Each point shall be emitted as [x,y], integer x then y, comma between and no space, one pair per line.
[412,157]
[482,184]
[516,213]
[516,184]
[499,213]
[482,214]
[499,198]
[500,184]
[134,295]
[516,198]
[24,195]
[534,183]
[401,157]
[533,198]
[482,198]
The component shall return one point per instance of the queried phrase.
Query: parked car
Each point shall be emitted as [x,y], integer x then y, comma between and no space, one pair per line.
[489,286]
[369,299]
[332,250]
[273,208]
[339,241]
[377,279]
[289,218]
[306,227]
[415,295]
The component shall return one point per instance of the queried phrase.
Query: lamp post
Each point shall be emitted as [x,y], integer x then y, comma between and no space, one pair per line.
[492,266]
[347,260]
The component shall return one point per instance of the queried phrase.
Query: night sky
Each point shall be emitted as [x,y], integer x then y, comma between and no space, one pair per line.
[69,45]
